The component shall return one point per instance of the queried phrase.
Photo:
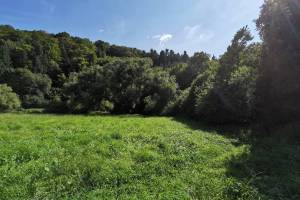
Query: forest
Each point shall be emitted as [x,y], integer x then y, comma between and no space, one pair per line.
[83,119]
[250,82]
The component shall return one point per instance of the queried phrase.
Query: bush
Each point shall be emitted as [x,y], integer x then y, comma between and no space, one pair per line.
[127,85]
[225,91]
[106,106]
[241,93]
[160,89]
[117,87]
[57,105]
[231,101]
[85,90]
[199,102]
[8,99]
[33,89]
[176,106]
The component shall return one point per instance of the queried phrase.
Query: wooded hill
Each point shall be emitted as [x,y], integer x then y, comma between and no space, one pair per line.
[250,82]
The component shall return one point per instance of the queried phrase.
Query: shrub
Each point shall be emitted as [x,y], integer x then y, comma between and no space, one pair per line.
[106,106]
[127,85]
[33,89]
[85,90]
[8,99]
[176,106]
[117,86]
[199,102]
[57,105]
[229,101]
[160,89]
[241,93]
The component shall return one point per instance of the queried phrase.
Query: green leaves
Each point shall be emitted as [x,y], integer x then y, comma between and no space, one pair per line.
[278,85]
[120,86]
[8,99]
[32,88]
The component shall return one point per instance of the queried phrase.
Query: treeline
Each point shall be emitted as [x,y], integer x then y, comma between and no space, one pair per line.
[68,74]
[249,82]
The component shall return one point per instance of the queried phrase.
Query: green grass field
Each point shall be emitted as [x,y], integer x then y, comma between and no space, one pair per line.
[135,157]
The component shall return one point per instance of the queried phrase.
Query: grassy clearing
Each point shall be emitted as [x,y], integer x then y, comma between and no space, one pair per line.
[133,157]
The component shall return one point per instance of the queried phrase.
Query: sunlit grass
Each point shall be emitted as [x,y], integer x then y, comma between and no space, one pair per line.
[116,157]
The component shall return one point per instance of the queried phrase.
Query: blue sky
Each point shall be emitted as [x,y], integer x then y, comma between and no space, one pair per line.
[192,25]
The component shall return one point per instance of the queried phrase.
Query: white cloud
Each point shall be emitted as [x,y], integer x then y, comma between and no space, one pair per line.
[163,39]
[101,30]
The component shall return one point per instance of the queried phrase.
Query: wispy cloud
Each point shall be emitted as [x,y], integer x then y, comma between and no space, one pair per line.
[163,38]
[197,34]
[101,30]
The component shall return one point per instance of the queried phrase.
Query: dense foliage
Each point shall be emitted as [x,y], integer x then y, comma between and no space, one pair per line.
[69,74]
[8,99]
[249,82]
[224,90]
[279,83]
[121,86]
[33,88]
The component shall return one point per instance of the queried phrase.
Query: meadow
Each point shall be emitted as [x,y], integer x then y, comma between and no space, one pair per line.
[135,157]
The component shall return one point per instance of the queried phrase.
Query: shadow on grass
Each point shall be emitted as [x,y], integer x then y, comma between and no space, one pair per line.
[272,164]
[240,132]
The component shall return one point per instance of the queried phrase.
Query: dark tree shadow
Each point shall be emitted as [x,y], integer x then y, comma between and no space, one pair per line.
[241,131]
[272,165]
